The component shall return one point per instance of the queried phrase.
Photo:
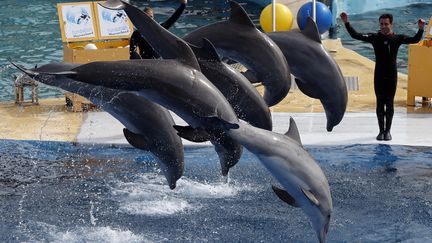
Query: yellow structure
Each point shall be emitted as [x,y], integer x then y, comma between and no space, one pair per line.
[110,50]
[92,33]
[420,68]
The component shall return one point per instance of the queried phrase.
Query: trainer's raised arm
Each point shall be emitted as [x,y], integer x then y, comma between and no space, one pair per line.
[344,17]
[421,24]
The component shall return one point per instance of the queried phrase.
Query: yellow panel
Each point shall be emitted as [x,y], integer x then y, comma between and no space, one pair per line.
[419,71]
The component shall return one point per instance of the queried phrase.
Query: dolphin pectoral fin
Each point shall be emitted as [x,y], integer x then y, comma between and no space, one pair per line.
[311,31]
[310,196]
[239,15]
[136,140]
[307,89]
[285,196]
[195,135]
[251,76]
[293,131]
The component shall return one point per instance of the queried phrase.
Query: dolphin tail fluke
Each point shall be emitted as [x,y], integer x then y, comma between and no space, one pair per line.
[195,135]
[284,196]
[113,4]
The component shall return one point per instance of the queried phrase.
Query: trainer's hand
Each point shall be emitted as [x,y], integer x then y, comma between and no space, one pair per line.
[421,23]
[344,17]
[183,1]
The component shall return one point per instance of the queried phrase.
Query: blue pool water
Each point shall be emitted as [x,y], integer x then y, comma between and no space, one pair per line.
[52,191]
[30,32]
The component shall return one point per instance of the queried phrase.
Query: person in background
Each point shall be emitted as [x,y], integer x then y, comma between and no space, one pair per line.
[386,45]
[139,48]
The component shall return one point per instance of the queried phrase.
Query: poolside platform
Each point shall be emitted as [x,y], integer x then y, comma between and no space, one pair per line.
[51,120]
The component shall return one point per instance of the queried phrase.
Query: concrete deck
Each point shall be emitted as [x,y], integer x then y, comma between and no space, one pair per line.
[50,121]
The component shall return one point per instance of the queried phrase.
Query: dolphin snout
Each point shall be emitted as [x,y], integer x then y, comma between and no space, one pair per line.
[322,234]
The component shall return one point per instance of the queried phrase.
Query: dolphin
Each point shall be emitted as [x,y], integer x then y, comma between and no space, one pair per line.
[148,125]
[240,93]
[317,73]
[170,83]
[243,97]
[238,39]
[304,183]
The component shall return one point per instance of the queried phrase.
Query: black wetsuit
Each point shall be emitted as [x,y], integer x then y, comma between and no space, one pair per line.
[385,76]
[145,50]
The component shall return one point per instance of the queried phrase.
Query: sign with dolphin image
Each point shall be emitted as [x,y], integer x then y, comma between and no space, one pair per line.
[76,21]
[112,24]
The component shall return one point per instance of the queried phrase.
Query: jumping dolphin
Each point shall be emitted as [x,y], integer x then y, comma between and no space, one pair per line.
[283,155]
[243,97]
[148,126]
[317,73]
[169,83]
[240,93]
[238,39]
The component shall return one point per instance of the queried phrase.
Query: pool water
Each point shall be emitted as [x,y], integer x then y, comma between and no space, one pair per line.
[30,32]
[54,191]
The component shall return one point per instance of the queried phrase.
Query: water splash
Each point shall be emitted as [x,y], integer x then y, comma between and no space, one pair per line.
[149,195]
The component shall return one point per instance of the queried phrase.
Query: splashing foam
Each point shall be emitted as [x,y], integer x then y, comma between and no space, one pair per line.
[93,234]
[149,195]
[99,234]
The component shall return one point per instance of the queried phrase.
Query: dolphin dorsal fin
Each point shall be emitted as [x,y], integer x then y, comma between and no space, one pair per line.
[206,52]
[186,55]
[311,30]
[293,132]
[285,196]
[310,196]
[166,44]
[239,15]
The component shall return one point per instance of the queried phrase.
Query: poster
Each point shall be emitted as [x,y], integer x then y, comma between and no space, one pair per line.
[77,21]
[112,23]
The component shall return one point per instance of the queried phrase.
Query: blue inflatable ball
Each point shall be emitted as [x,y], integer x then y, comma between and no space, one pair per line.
[323,16]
